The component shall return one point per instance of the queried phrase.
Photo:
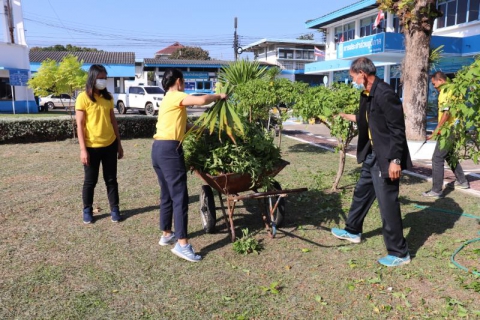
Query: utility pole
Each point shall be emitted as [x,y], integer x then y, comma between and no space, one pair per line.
[9,17]
[235,40]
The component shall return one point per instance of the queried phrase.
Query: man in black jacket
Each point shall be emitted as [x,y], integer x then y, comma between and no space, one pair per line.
[382,149]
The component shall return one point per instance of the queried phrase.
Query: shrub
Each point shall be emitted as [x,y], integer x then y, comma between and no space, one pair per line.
[42,130]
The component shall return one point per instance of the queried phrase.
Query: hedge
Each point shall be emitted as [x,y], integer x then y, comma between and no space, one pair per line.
[56,129]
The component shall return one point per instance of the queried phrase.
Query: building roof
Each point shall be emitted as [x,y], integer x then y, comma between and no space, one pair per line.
[185,63]
[340,14]
[170,49]
[90,57]
[263,42]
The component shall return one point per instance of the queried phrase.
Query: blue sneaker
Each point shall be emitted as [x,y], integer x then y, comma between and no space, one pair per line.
[115,214]
[87,215]
[186,252]
[345,235]
[392,261]
[165,241]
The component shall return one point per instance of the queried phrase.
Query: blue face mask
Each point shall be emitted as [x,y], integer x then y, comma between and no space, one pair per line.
[358,86]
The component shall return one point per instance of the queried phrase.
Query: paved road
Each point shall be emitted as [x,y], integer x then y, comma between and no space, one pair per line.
[319,134]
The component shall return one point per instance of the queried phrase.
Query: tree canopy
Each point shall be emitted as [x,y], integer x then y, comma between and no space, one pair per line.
[68,47]
[190,53]
[307,36]
[52,78]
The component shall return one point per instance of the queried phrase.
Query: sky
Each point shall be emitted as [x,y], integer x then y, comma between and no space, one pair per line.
[147,26]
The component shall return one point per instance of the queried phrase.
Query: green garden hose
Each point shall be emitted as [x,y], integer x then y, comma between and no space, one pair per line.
[452,258]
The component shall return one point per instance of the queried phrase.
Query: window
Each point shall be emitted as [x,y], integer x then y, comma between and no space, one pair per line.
[366,26]
[396,24]
[473,10]
[457,12]
[298,54]
[285,54]
[154,90]
[5,89]
[345,32]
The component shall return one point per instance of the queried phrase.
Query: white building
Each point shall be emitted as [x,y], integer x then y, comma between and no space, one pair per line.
[15,96]
[350,34]
[290,56]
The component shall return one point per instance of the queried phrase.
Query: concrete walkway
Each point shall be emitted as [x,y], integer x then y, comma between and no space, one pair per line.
[319,135]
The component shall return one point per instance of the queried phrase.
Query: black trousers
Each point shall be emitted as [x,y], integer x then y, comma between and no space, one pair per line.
[169,164]
[107,156]
[372,186]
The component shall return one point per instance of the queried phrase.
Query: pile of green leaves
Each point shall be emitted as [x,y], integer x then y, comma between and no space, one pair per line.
[254,153]
[246,244]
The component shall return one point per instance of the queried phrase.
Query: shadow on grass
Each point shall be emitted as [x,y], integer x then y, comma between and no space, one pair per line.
[127,214]
[312,207]
[424,223]
[303,147]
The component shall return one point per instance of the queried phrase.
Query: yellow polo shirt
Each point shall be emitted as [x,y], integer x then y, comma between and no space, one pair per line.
[98,124]
[172,117]
[443,106]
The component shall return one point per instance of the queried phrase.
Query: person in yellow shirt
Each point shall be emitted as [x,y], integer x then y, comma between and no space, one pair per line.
[169,162]
[440,155]
[99,141]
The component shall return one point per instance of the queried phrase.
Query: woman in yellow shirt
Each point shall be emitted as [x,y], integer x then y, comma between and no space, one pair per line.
[99,141]
[169,163]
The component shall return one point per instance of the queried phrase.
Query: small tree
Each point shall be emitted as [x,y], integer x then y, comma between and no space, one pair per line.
[325,104]
[66,77]
[190,53]
[464,101]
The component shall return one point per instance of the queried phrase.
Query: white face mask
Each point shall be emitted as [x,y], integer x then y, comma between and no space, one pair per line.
[101,84]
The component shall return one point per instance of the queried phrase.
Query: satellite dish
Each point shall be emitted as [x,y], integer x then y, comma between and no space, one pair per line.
[239,50]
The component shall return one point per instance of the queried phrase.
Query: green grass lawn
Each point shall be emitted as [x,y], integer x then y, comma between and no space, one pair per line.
[54,266]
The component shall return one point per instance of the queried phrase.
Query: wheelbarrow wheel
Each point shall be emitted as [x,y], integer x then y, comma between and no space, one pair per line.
[207,209]
[279,213]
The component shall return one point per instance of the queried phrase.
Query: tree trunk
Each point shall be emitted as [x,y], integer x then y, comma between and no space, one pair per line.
[415,68]
[341,167]
[415,84]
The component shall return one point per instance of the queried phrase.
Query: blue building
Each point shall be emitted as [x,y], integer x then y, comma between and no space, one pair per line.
[350,33]
[120,65]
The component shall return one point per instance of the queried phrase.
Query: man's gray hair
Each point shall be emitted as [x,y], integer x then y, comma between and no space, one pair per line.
[363,64]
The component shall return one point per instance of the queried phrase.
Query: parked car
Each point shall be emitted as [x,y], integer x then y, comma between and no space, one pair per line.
[145,99]
[56,101]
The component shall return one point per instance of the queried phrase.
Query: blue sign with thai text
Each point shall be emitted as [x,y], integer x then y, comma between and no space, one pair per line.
[195,75]
[18,77]
[361,47]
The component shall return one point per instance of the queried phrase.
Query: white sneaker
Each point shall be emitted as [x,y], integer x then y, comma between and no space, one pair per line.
[168,240]
[186,252]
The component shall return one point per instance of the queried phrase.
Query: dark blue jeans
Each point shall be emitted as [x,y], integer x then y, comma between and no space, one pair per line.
[372,186]
[169,164]
[107,156]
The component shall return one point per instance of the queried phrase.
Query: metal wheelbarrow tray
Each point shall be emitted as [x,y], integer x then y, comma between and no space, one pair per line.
[230,185]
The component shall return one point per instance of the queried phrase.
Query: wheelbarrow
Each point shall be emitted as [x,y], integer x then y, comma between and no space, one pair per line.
[231,185]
